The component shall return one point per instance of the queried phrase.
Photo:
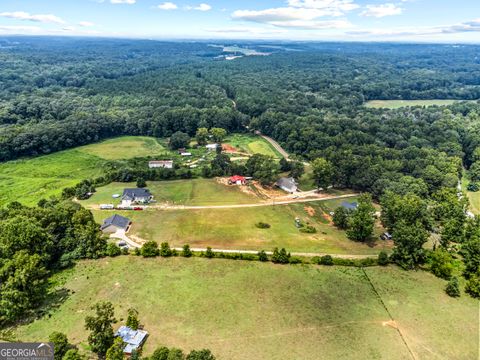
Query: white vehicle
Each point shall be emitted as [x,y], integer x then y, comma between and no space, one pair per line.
[107,207]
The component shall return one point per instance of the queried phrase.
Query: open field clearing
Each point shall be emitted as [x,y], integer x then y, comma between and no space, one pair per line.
[30,180]
[235,229]
[473,197]
[252,310]
[179,192]
[125,147]
[252,144]
[396,104]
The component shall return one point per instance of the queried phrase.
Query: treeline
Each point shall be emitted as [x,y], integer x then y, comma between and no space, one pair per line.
[36,241]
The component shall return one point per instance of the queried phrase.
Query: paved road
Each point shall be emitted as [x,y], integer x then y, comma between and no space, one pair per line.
[276,145]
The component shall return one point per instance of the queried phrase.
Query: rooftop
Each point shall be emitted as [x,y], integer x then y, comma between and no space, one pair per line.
[136,193]
[119,221]
[133,339]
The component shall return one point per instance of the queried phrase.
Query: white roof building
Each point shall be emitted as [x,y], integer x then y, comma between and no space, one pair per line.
[133,339]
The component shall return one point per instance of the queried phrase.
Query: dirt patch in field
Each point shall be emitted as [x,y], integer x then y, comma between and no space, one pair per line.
[310,211]
[391,323]
[136,239]
[243,188]
[229,148]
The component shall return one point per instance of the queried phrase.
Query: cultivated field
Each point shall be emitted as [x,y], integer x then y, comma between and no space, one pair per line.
[396,104]
[252,310]
[235,228]
[252,144]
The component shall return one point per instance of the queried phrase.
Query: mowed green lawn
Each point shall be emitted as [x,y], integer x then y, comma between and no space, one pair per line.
[235,229]
[29,180]
[179,192]
[253,310]
[252,144]
[396,104]
[125,147]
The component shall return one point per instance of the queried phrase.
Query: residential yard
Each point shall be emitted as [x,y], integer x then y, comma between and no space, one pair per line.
[179,192]
[396,104]
[252,144]
[235,229]
[253,310]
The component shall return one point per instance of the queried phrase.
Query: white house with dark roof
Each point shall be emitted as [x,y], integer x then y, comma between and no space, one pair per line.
[136,196]
[114,223]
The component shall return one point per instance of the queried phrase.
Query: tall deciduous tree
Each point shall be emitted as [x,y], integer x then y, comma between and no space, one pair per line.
[100,325]
[362,220]
[323,172]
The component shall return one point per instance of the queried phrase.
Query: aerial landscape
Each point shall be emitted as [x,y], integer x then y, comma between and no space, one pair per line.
[288,179]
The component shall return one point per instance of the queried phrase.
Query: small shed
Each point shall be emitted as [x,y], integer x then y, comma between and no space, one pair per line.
[211,147]
[237,180]
[350,206]
[133,339]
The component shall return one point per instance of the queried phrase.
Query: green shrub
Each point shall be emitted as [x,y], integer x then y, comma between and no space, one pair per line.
[295,260]
[113,250]
[209,253]
[165,250]
[473,187]
[441,264]
[262,225]
[150,249]
[383,258]
[326,260]
[262,256]
[308,229]
[186,252]
[280,257]
[473,286]
[452,288]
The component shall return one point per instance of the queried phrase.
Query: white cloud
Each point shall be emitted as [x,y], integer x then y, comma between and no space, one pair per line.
[167,6]
[44,18]
[465,27]
[335,6]
[129,2]
[247,30]
[382,10]
[293,17]
[200,7]
[86,24]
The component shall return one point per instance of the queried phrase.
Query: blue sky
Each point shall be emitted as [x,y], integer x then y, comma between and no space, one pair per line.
[377,20]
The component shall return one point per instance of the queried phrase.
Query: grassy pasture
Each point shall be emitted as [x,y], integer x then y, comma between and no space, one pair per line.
[235,229]
[473,197]
[396,104]
[125,147]
[252,310]
[29,180]
[252,144]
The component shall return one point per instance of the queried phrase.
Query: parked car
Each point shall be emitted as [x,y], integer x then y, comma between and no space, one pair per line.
[386,236]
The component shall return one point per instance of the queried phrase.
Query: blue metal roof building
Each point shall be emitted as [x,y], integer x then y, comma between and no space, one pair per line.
[133,339]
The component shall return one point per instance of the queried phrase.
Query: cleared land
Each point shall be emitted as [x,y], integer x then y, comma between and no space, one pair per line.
[235,229]
[252,144]
[29,180]
[396,104]
[179,192]
[125,147]
[473,197]
[252,310]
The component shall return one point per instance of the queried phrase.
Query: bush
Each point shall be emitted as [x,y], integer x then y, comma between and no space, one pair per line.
[113,250]
[383,258]
[262,256]
[280,257]
[473,187]
[453,288]
[141,183]
[186,252]
[204,354]
[150,249]
[473,286]
[340,218]
[441,264]
[326,260]
[165,250]
[209,253]
[262,225]
[125,251]
[295,260]
[308,229]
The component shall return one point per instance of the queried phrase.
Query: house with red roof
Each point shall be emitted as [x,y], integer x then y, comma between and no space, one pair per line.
[237,180]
